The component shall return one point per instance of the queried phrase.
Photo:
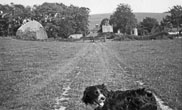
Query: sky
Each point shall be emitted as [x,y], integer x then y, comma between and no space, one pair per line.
[107,6]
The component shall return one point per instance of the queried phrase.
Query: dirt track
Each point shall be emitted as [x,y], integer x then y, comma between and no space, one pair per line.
[94,64]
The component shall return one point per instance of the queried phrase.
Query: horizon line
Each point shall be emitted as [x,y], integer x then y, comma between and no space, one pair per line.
[132,12]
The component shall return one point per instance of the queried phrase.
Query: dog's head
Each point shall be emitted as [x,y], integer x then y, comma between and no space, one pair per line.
[95,96]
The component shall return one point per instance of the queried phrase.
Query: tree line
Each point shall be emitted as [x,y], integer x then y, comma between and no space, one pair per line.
[58,19]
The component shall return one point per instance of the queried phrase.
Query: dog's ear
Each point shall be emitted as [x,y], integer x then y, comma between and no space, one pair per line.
[86,99]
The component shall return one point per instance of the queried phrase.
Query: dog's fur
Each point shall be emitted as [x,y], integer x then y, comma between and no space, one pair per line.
[99,98]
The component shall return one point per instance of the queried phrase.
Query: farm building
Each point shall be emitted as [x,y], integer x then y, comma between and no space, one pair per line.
[175,31]
[31,30]
[76,36]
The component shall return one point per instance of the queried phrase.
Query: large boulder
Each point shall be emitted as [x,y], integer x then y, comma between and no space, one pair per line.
[31,30]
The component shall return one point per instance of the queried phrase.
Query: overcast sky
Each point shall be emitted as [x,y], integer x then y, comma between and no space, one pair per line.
[107,6]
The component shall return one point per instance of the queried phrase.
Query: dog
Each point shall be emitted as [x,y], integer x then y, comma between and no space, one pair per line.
[100,98]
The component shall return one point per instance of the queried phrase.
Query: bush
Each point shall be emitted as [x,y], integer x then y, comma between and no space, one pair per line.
[108,35]
[160,35]
[120,37]
[126,37]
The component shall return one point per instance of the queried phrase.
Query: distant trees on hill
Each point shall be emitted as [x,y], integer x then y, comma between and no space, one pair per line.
[58,19]
[124,20]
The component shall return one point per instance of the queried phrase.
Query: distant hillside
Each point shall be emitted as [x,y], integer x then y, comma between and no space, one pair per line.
[96,18]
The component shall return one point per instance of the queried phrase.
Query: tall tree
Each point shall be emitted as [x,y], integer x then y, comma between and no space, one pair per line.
[123,19]
[148,24]
[174,20]
[166,23]
[176,16]
[5,19]
[11,17]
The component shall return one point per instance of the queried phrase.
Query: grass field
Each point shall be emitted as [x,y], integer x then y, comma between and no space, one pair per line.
[52,75]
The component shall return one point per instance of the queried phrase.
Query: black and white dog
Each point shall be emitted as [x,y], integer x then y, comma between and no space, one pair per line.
[99,98]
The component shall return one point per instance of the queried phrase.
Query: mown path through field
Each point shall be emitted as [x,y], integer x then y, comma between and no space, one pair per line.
[94,64]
